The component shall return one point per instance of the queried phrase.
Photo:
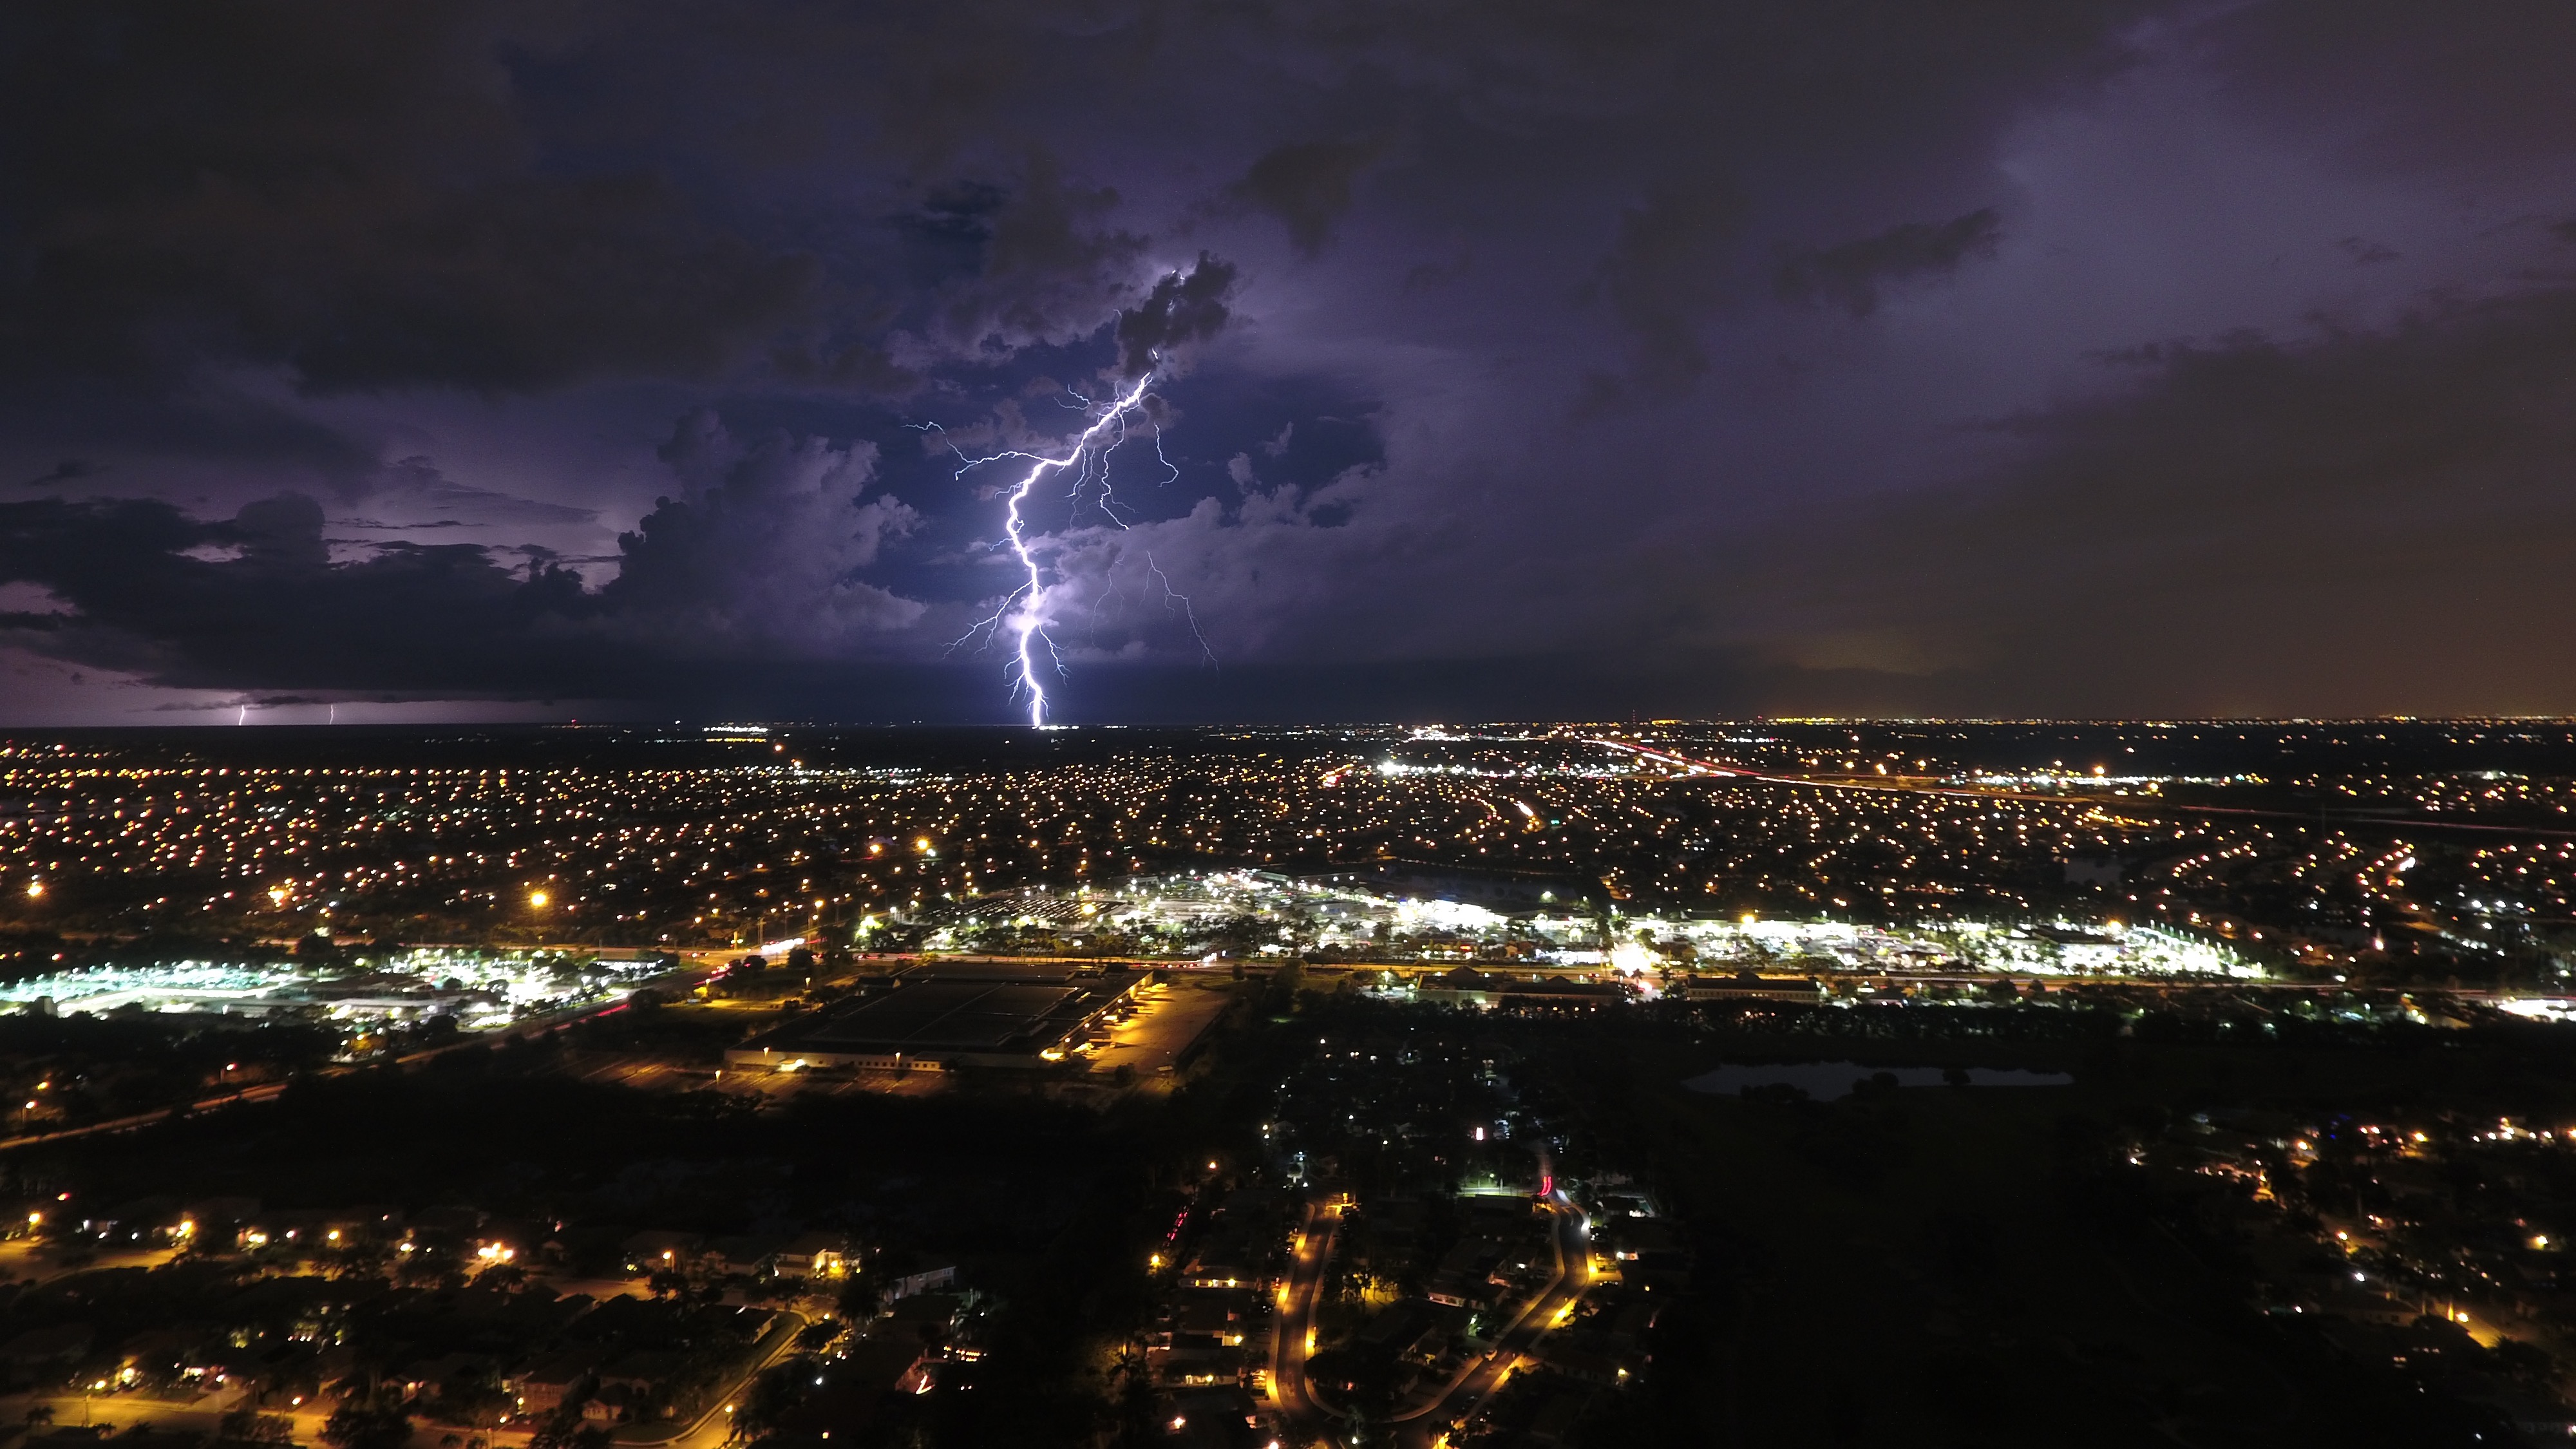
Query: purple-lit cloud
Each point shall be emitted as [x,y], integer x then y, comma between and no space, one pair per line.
[2019,357]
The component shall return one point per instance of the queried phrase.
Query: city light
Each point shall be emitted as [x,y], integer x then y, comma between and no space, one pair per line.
[1486,881]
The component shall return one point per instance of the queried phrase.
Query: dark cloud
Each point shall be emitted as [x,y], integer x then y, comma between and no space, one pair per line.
[1050,226]
[1662,280]
[1183,307]
[280,536]
[416,482]
[1033,262]
[513,198]
[2404,85]
[1307,186]
[1850,275]
[350,193]
[763,550]
[757,564]
[2361,521]
[1424,276]
[452,267]
[69,470]
[216,420]
[276,614]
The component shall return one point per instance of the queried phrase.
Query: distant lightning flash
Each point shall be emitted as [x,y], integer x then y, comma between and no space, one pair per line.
[1023,611]
[1189,615]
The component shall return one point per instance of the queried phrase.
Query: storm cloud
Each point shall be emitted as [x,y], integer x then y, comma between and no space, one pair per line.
[349,194]
[1183,308]
[2119,356]
[2338,522]
[1307,186]
[755,564]
[1850,275]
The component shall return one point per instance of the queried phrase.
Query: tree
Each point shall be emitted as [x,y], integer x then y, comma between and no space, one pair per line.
[1282,991]
[861,1290]
[471,1401]
[1139,1423]
[778,1392]
[565,1428]
[1366,1383]
[363,1424]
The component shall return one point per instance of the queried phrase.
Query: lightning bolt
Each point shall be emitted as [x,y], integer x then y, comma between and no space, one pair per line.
[1023,611]
[1189,615]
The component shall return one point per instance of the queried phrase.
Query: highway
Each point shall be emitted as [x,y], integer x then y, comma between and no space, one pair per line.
[2133,803]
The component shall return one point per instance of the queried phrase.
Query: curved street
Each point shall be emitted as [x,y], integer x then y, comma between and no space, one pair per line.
[1293,1334]
[1429,1423]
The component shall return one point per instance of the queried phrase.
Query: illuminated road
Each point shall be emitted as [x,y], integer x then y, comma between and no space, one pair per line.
[26,1260]
[1292,1334]
[711,1430]
[714,1428]
[2132,803]
[1465,1395]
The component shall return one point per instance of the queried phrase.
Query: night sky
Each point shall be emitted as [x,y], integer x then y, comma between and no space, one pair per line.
[445,361]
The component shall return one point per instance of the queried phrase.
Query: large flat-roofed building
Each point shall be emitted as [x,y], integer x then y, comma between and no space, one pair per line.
[984,1014]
